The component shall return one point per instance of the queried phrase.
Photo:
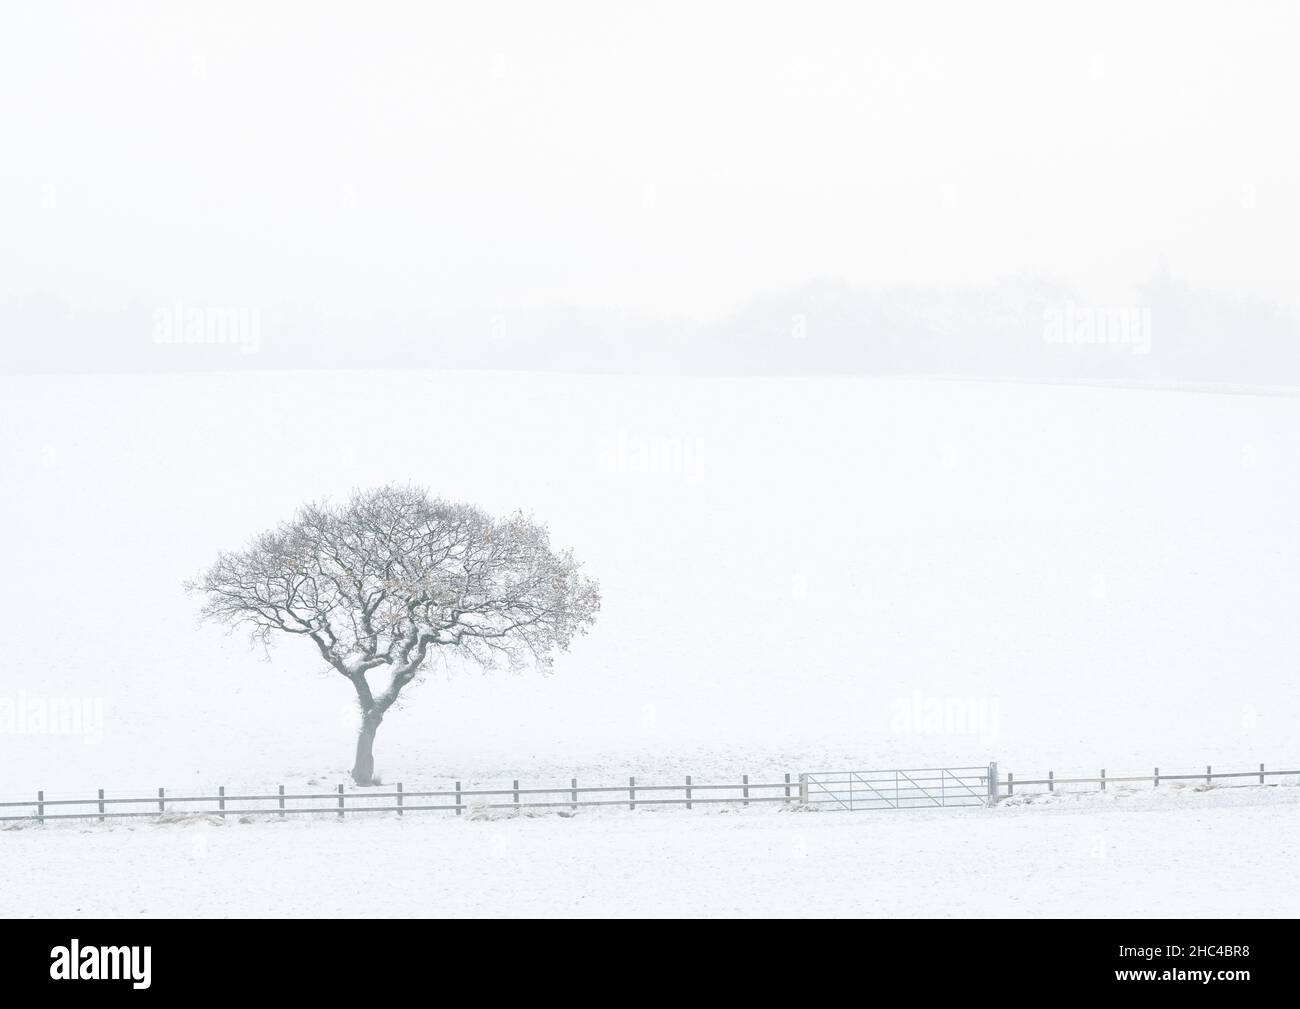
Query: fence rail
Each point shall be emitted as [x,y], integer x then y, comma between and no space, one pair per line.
[457,799]
[1006,787]
[895,788]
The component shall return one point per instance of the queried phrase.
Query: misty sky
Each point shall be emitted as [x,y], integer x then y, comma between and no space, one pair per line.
[370,160]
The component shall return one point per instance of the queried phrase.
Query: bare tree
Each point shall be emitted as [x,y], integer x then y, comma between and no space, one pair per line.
[394,577]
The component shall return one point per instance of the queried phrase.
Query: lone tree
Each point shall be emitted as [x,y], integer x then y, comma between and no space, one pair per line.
[394,577]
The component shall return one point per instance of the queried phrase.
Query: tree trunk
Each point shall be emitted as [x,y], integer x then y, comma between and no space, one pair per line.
[363,771]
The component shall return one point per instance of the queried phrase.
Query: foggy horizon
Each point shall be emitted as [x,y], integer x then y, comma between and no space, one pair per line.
[673,191]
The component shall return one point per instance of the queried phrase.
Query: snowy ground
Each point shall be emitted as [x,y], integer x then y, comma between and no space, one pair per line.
[1183,852]
[798,575]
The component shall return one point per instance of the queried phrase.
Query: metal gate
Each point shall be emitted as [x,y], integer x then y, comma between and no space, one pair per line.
[913,788]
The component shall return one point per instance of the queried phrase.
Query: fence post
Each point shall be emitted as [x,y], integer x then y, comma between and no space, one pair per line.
[993,783]
[516,791]
[1261,774]
[1011,783]
[688,791]
[744,788]
[40,806]
[458,802]
[340,800]
[573,792]
[1207,774]
[631,793]
[1157,777]
[1103,779]
[787,784]
[803,788]
[282,800]
[101,805]
[221,801]
[1051,781]
[399,798]
[161,806]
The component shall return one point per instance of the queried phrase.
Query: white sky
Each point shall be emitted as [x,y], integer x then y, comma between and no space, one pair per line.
[372,157]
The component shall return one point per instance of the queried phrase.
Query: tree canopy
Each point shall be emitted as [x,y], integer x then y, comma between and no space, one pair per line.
[391,578]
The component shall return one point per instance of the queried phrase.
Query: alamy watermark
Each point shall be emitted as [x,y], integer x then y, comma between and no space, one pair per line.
[1074,325]
[630,454]
[75,962]
[924,715]
[191,325]
[24,714]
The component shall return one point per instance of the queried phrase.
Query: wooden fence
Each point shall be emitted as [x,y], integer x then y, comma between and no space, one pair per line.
[456,799]
[792,789]
[1006,787]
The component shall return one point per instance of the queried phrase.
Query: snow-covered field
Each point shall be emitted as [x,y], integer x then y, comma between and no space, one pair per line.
[1217,853]
[798,574]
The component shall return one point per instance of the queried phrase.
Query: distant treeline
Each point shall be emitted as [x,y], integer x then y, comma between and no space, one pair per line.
[1023,328]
